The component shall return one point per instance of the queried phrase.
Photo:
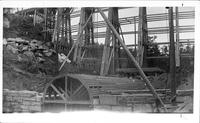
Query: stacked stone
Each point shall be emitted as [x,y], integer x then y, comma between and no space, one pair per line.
[21,101]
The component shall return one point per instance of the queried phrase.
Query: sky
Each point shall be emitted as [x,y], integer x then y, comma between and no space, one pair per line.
[129,39]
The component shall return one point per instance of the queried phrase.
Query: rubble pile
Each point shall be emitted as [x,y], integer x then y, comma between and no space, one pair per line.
[26,64]
[34,56]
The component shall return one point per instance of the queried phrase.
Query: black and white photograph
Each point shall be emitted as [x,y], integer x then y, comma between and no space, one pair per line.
[133,59]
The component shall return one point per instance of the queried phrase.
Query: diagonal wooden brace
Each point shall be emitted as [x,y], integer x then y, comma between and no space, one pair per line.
[151,88]
[58,92]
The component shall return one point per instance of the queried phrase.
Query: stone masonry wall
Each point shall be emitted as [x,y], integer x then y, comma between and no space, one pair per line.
[21,101]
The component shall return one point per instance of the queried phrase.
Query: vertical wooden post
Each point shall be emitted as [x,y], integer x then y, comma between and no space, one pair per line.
[92,28]
[135,36]
[62,28]
[34,17]
[105,65]
[172,78]
[177,39]
[84,28]
[57,28]
[142,37]
[66,88]
[87,28]
[66,28]
[77,51]
[116,44]
[69,24]
[106,50]
[45,24]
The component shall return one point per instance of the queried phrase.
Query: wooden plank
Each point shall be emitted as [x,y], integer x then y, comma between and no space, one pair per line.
[137,91]
[135,36]
[134,70]
[185,92]
[161,91]
[109,61]
[54,101]
[68,102]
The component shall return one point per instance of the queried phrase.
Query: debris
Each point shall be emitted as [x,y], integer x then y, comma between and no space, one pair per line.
[62,58]
[22,60]
[4,41]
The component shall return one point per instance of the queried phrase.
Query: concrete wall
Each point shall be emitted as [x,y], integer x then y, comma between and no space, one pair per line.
[21,101]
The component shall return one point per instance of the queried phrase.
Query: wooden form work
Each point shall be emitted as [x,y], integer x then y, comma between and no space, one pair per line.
[81,88]
[133,59]
[117,37]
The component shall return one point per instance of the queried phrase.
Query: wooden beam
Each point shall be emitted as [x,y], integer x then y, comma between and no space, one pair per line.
[142,37]
[177,51]
[146,70]
[133,59]
[62,29]
[110,59]
[34,17]
[116,45]
[172,78]
[135,37]
[106,50]
[45,24]
[68,102]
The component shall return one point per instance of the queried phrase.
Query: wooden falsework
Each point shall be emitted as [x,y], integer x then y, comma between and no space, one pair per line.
[86,17]
[135,36]
[34,17]
[146,70]
[69,30]
[142,37]
[77,51]
[62,30]
[75,44]
[106,50]
[58,21]
[116,44]
[133,59]
[177,51]
[89,39]
[109,56]
[67,27]
[57,28]
[172,62]
[45,23]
